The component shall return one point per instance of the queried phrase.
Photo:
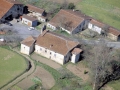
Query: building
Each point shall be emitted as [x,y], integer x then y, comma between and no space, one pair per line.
[70,21]
[57,48]
[27,45]
[36,12]
[113,34]
[96,26]
[30,21]
[10,9]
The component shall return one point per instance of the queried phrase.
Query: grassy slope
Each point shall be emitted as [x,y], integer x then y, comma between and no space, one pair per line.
[107,11]
[115,84]
[11,65]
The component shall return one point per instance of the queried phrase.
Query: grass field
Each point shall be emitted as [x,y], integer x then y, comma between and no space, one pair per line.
[107,11]
[115,84]
[11,65]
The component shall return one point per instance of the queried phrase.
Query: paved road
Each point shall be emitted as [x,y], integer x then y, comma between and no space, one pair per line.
[115,45]
[20,29]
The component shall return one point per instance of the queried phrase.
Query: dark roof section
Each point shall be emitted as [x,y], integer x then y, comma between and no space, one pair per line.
[5,6]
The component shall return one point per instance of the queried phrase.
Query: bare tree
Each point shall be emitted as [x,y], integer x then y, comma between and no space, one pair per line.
[98,59]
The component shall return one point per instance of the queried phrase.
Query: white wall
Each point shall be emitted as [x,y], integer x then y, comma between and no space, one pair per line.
[25,49]
[94,28]
[59,58]
[51,26]
[75,58]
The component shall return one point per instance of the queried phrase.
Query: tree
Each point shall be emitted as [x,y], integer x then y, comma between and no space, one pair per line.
[98,58]
[71,6]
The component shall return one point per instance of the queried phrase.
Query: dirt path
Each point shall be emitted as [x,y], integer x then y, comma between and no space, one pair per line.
[22,76]
[46,78]
[79,71]
[46,61]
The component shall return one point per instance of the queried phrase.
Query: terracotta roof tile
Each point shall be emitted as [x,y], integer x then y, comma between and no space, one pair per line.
[76,51]
[97,23]
[35,9]
[114,31]
[28,41]
[29,17]
[69,17]
[4,7]
[56,42]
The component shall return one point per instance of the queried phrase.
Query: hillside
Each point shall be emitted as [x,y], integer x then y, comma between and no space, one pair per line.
[107,11]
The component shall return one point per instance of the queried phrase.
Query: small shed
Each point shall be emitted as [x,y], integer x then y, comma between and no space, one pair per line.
[30,21]
[113,34]
[76,55]
[27,45]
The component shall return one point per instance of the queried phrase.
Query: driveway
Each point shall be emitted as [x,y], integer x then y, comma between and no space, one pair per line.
[20,29]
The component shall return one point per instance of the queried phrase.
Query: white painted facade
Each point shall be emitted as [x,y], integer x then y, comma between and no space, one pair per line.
[26,49]
[95,28]
[50,54]
[51,26]
[29,22]
[75,58]
[78,29]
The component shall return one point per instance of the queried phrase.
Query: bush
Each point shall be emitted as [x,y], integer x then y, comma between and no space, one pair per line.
[71,6]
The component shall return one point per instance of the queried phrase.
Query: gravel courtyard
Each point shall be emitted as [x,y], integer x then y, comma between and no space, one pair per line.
[19,29]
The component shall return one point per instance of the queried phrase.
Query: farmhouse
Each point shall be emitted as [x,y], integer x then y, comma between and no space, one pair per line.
[27,45]
[10,9]
[57,48]
[37,12]
[96,26]
[69,20]
[114,34]
[30,21]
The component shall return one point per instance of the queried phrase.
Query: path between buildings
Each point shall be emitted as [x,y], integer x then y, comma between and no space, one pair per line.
[23,75]
[46,61]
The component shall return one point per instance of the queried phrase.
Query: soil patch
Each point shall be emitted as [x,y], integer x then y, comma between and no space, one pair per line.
[79,70]
[46,78]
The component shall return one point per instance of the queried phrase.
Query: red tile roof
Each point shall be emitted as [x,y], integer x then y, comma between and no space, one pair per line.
[4,7]
[29,17]
[114,31]
[76,51]
[35,9]
[97,23]
[69,17]
[56,43]
[29,41]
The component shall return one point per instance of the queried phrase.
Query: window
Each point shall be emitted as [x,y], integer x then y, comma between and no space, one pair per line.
[54,55]
[50,53]
[45,50]
[40,49]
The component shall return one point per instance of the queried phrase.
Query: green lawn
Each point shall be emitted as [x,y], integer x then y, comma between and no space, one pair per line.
[115,84]
[11,65]
[107,11]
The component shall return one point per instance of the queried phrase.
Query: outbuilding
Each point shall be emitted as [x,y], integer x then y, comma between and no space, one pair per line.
[30,21]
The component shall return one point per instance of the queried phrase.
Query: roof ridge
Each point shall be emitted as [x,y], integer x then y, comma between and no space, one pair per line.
[71,13]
